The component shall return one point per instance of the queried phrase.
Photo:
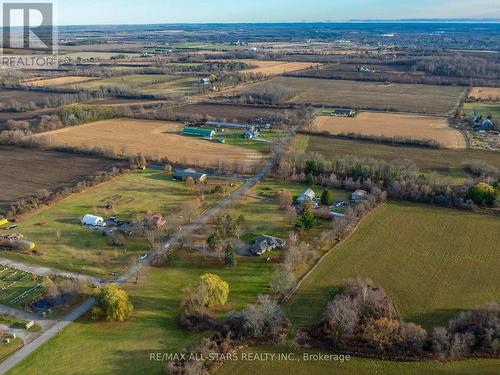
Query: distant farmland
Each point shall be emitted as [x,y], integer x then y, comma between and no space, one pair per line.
[155,139]
[393,125]
[276,67]
[229,112]
[57,81]
[25,97]
[485,93]
[130,81]
[441,161]
[437,263]
[24,172]
[436,100]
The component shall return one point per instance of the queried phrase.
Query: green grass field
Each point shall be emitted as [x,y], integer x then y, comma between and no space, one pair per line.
[483,109]
[443,162]
[65,244]
[184,86]
[6,350]
[433,263]
[124,348]
[356,366]
[235,138]
[18,287]
[130,81]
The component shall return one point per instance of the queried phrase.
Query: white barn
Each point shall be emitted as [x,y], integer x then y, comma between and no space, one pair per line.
[93,221]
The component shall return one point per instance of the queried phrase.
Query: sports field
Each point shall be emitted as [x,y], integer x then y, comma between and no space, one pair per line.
[155,139]
[393,125]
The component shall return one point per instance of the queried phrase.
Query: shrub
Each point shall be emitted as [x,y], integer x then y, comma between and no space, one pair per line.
[229,256]
[327,197]
[213,290]
[112,303]
[482,193]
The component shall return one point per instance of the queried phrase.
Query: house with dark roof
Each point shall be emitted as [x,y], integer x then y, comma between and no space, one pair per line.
[264,244]
[184,174]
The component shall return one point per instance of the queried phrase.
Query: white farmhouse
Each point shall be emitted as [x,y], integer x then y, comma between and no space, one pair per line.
[93,221]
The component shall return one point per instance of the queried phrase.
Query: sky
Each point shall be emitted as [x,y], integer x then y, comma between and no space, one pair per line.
[87,12]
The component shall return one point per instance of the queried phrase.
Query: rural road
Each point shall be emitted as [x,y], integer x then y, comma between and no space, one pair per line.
[26,350]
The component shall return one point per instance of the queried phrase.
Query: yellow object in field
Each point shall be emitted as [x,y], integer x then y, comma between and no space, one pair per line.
[3,221]
[32,245]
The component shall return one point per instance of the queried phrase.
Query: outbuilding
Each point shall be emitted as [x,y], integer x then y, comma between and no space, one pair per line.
[93,221]
[307,195]
[199,132]
[184,174]
[359,195]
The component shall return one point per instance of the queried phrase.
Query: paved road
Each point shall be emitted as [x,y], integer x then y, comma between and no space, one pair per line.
[189,228]
[46,271]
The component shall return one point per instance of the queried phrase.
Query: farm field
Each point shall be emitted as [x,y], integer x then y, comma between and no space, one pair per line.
[130,81]
[157,139]
[428,160]
[25,97]
[63,243]
[484,109]
[438,263]
[124,348]
[97,55]
[233,113]
[50,170]
[355,366]
[270,68]
[184,86]
[124,102]
[435,100]
[393,125]
[6,350]
[485,93]
[18,287]
[57,81]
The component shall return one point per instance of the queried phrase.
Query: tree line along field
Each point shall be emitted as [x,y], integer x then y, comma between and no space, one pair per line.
[483,109]
[428,99]
[25,172]
[230,112]
[446,162]
[25,97]
[62,242]
[393,125]
[154,139]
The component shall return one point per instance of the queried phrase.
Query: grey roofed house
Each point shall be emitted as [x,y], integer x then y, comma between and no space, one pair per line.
[487,124]
[266,243]
[307,195]
[251,133]
[359,195]
[183,174]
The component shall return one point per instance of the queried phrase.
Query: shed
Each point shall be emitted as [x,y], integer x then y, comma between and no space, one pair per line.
[199,132]
[183,174]
[359,195]
[93,221]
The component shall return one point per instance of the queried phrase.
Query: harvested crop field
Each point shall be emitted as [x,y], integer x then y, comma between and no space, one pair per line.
[154,139]
[130,81]
[25,97]
[58,81]
[276,67]
[485,93]
[428,99]
[427,159]
[24,172]
[229,112]
[184,86]
[393,125]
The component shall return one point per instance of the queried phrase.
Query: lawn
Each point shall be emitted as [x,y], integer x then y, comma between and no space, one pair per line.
[263,215]
[65,244]
[236,138]
[356,366]
[124,348]
[433,263]
[6,350]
